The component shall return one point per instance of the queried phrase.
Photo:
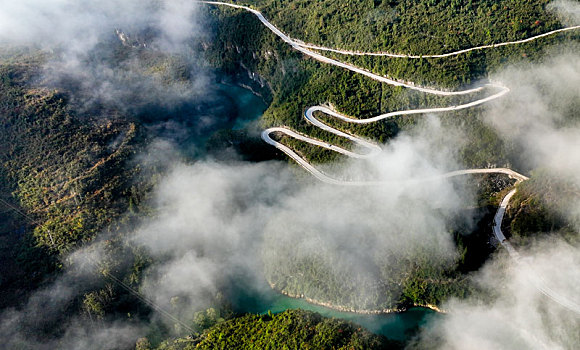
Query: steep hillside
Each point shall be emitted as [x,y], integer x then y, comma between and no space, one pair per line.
[292,329]
[298,82]
[69,175]
[75,168]
[242,44]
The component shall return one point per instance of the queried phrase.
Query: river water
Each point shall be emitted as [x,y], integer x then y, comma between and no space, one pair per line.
[249,106]
[189,124]
[397,326]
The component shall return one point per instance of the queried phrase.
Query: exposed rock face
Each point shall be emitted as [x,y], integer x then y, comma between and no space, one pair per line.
[128,40]
[255,76]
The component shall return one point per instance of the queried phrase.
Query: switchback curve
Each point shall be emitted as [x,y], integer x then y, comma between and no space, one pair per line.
[306,49]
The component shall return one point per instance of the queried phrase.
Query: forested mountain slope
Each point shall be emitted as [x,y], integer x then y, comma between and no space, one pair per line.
[73,174]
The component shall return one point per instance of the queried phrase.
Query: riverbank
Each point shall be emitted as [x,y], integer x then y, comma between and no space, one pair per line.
[352,310]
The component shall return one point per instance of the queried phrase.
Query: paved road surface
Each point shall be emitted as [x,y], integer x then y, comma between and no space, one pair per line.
[454,53]
[373,149]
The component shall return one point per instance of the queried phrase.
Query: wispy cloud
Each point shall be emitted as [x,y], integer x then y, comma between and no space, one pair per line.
[540,117]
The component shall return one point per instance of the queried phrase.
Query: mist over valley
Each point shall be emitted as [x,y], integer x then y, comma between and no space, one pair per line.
[187,174]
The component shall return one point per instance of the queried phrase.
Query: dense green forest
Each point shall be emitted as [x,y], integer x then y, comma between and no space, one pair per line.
[297,84]
[67,175]
[420,27]
[242,44]
[331,275]
[292,329]
[537,209]
[409,26]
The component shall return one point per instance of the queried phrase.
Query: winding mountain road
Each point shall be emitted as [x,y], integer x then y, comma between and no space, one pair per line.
[373,149]
[449,54]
